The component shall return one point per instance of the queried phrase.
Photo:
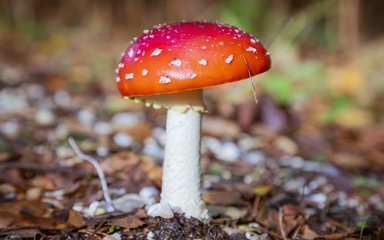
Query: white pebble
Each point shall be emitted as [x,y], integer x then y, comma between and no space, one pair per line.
[86,116]
[62,98]
[9,128]
[102,151]
[148,192]
[122,139]
[44,117]
[102,128]
[160,210]
[319,198]
[126,119]
[115,236]
[150,235]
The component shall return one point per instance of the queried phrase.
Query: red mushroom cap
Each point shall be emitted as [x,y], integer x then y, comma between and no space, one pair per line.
[189,55]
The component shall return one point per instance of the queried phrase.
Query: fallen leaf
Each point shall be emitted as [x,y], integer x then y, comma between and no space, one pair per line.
[119,162]
[220,127]
[350,161]
[223,198]
[262,189]
[128,222]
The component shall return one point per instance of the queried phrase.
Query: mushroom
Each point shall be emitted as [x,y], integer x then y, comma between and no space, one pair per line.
[167,67]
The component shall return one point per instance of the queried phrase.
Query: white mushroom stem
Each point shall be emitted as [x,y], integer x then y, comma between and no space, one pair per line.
[181,167]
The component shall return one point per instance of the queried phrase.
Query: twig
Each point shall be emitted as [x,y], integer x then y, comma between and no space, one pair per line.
[108,201]
[281,226]
[250,77]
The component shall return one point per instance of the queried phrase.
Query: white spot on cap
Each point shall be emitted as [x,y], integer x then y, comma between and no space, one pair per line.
[229,59]
[146,31]
[116,70]
[130,53]
[136,59]
[203,47]
[164,80]
[267,53]
[151,36]
[203,62]
[117,79]
[254,40]
[221,43]
[193,76]
[251,49]
[168,37]
[191,50]
[144,72]
[156,52]
[176,62]
[129,76]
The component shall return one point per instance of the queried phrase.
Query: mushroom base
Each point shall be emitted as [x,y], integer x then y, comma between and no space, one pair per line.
[181,167]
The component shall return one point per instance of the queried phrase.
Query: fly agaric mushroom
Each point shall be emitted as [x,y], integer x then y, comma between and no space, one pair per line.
[167,67]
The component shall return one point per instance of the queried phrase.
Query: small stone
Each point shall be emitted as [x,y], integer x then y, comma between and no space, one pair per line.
[227,151]
[286,145]
[254,157]
[152,148]
[92,208]
[160,210]
[115,236]
[102,128]
[62,98]
[150,235]
[10,128]
[6,188]
[148,192]
[102,151]
[122,139]
[319,198]
[86,116]
[33,193]
[125,120]
[44,117]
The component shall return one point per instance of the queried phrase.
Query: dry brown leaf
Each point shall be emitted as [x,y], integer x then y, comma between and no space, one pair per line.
[220,127]
[223,198]
[119,162]
[75,219]
[350,161]
[128,222]
[307,233]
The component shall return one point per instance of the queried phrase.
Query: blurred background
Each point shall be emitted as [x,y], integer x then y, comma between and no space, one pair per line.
[324,91]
